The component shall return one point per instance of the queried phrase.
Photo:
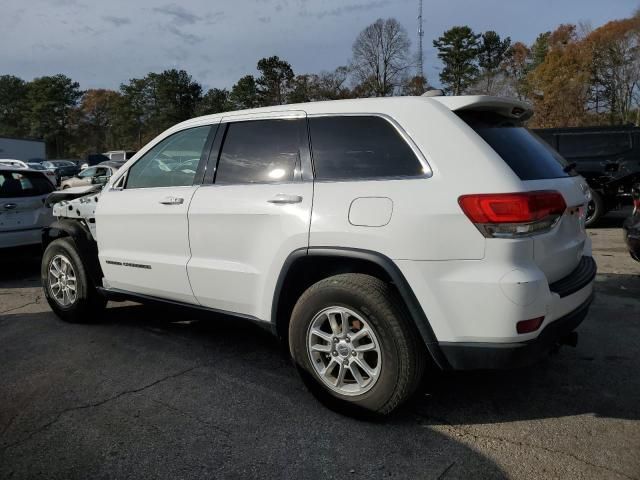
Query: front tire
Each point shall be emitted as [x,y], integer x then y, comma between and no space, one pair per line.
[67,287]
[355,346]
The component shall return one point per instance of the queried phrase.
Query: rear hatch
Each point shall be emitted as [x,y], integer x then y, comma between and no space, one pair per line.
[22,198]
[558,251]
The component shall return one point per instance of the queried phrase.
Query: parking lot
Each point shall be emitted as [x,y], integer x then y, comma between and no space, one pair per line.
[153,393]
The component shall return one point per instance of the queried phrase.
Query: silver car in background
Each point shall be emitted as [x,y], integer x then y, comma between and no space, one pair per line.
[23,212]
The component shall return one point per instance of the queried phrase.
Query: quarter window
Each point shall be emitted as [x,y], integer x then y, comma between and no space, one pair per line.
[260,151]
[360,147]
[172,162]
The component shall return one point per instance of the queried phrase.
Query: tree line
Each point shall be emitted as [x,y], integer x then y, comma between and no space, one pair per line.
[574,76]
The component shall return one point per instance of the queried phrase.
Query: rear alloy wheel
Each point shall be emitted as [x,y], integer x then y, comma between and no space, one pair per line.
[355,345]
[344,350]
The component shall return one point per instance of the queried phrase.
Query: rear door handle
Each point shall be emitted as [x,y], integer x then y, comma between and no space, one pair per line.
[172,201]
[10,206]
[282,198]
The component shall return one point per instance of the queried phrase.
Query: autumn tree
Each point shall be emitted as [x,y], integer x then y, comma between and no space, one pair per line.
[458,49]
[615,68]
[560,85]
[381,57]
[97,113]
[516,67]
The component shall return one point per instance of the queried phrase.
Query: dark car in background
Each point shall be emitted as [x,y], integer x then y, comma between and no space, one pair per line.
[62,168]
[607,157]
[631,226]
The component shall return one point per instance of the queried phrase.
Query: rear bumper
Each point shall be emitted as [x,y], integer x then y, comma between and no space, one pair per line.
[481,356]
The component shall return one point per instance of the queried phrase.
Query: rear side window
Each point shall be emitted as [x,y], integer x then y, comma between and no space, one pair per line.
[261,151]
[530,157]
[360,147]
[23,184]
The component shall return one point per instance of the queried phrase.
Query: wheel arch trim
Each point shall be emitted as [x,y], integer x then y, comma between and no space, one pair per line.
[412,304]
[86,246]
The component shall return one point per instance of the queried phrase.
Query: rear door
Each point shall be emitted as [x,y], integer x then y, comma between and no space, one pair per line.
[22,196]
[244,224]
[540,167]
[141,223]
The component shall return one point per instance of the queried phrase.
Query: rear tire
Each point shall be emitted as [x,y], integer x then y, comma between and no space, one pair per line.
[67,287]
[372,365]
[595,209]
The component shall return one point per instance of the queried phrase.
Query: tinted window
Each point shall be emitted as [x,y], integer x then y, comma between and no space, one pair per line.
[23,184]
[260,151]
[530,157]
[172,162]
[117,156]
[353,147]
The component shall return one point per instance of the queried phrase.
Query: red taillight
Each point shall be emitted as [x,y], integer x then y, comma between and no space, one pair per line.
[528,326]
[513,214]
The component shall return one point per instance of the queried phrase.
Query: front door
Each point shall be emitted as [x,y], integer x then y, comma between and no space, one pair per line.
[142,228]
[243,226]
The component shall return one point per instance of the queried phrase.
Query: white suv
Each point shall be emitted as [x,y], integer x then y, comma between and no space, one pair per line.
[371,235]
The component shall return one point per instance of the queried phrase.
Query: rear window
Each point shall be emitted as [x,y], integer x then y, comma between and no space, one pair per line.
[530,157]
[23,184]
[360,147]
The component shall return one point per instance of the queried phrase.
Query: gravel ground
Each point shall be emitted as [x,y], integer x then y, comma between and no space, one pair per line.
[154,393]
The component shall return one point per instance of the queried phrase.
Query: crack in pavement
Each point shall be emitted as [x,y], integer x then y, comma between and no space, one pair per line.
[35,302]
[192,417]
[446,470]
[468,433]
[58,416]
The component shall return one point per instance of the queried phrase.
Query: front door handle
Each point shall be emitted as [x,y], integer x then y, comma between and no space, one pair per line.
[282,198]
[172,201]
[10,206]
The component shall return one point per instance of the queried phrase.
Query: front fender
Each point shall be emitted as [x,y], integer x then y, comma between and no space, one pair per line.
[86,246]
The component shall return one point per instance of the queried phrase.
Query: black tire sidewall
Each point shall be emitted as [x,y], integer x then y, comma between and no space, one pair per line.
[88,301]
[303,314]
[598,212]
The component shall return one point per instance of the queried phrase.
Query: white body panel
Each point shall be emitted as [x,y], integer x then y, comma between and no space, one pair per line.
[225,246]
[143,244]
[239,242]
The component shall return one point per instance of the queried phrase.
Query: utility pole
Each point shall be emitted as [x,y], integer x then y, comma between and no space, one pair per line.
[420,35]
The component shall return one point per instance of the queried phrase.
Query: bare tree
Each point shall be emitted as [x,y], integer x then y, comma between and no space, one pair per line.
[381,57]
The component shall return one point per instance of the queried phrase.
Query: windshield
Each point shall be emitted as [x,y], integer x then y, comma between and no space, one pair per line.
[63,163]
[530,157]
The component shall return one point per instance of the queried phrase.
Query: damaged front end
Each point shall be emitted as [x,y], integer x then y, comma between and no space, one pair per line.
[77,203]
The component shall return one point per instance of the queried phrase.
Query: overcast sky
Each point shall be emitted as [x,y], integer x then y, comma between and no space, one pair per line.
[104,43]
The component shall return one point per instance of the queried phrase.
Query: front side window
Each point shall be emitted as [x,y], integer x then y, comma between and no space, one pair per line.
[87,172]
[260,151]
[360,147]
[172,162]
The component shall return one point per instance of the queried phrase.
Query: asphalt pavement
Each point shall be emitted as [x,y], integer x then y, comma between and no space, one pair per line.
[156,393]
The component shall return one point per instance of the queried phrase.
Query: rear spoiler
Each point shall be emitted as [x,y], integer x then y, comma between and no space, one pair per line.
[507,107]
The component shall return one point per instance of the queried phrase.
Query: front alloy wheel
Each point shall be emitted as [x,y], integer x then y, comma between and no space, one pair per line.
[344,351]
[62,281]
